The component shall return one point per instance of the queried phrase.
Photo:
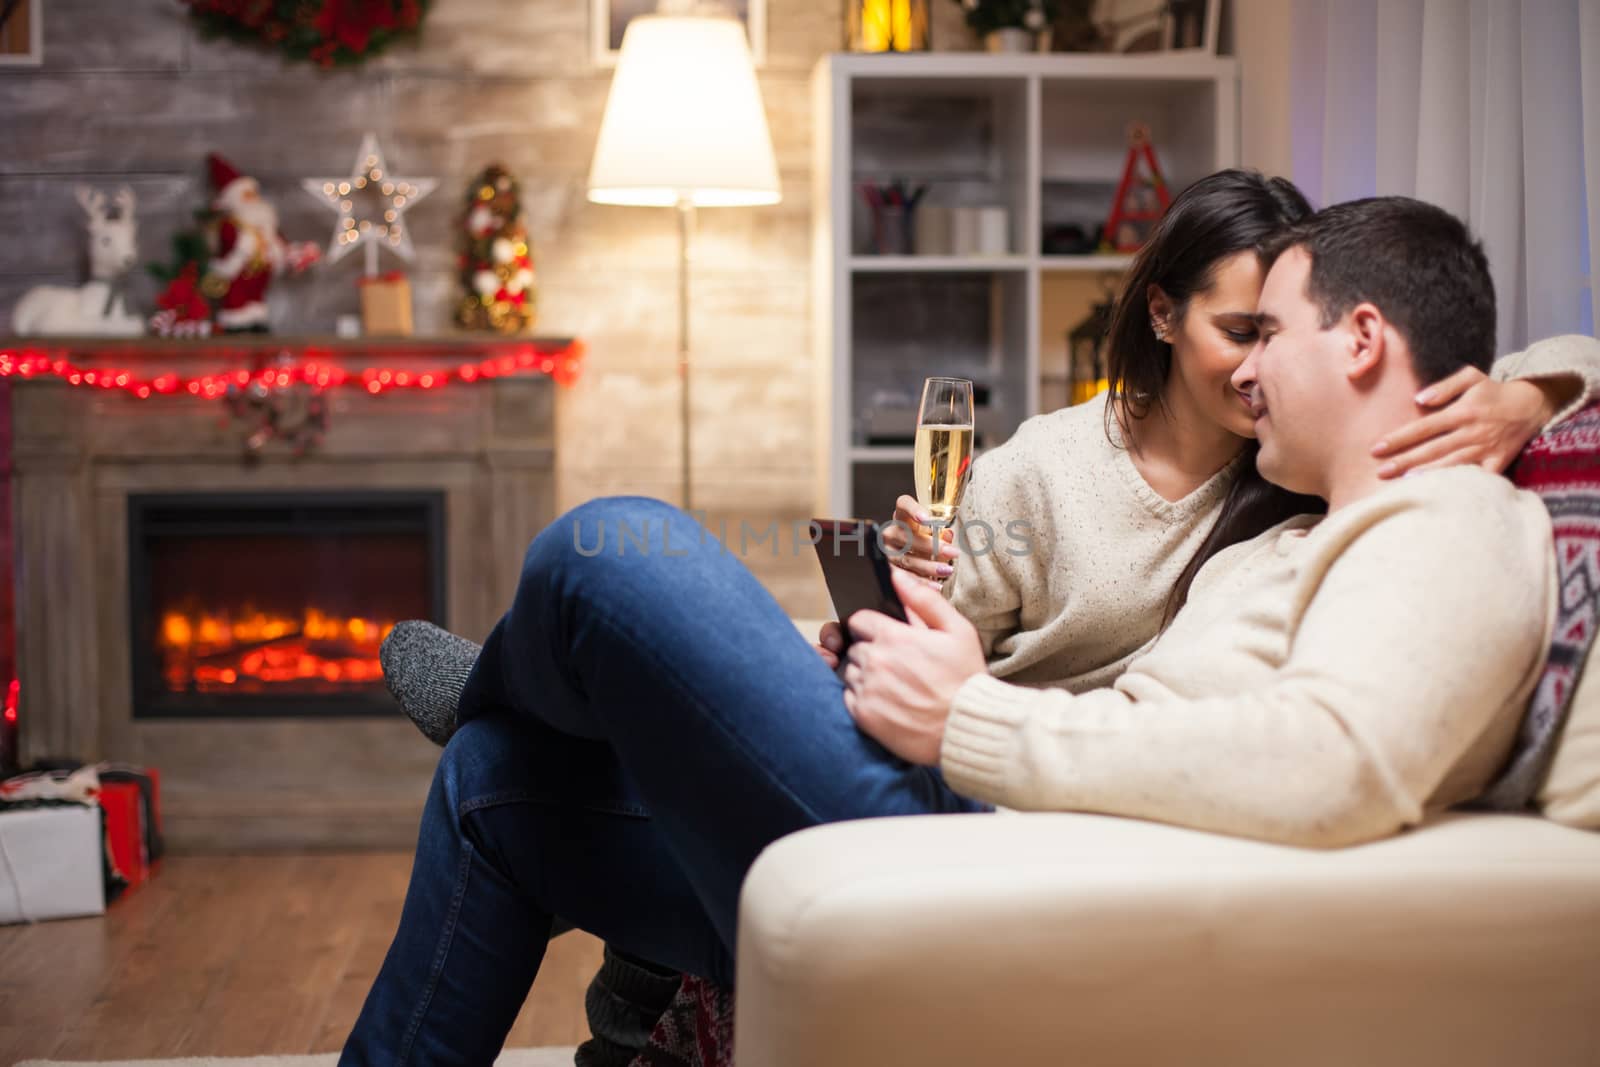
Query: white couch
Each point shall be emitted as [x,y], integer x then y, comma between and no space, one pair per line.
[1045,939]
[1028,940]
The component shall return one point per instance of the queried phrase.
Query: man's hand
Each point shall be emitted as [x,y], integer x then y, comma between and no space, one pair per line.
[1475,420]
[829,642]
[900,679]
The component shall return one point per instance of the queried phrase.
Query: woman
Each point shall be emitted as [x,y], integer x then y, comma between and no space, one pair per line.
[606,662]
[1165,466]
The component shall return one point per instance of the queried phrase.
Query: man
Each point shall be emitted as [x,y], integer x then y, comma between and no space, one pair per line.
[1326,683]
[1323,685]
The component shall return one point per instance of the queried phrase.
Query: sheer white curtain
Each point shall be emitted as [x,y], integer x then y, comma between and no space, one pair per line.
[1490,108]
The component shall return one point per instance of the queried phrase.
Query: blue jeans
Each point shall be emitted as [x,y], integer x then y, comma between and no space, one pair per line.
[642,722]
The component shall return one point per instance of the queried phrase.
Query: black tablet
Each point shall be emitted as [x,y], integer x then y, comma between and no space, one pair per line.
[857,570]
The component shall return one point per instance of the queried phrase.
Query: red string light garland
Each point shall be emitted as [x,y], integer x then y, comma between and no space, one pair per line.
[562,364]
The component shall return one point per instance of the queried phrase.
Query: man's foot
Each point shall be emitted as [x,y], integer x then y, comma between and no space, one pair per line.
[426,668]
[624,1003]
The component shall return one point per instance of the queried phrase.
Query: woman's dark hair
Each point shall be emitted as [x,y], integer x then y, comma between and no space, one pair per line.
[1217,217]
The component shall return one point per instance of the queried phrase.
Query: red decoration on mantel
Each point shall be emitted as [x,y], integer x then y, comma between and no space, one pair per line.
[9,755]
[311,365]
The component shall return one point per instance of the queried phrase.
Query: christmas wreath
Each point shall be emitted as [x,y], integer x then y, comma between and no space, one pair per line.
[327,32]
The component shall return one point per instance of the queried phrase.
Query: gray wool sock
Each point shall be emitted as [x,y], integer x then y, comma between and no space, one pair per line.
[426,668]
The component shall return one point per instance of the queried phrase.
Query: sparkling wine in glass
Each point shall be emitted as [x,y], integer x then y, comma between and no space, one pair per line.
[944,446]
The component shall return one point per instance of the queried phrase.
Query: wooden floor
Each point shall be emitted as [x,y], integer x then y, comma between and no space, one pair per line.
[236,956]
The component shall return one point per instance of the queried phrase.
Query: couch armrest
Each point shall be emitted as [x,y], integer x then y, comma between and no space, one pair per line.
[1079,939]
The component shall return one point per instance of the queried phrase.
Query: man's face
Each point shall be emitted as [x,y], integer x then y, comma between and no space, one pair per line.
[1293,373]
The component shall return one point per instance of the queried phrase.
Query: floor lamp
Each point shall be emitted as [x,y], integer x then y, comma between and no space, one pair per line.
[684,128]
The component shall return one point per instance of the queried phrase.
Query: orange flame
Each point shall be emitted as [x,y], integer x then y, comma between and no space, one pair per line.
[254,651]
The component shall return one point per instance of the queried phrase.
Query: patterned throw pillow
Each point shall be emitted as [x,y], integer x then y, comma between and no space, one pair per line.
[1556,758]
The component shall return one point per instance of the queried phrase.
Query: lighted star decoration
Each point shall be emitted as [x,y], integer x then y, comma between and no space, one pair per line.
[371,206]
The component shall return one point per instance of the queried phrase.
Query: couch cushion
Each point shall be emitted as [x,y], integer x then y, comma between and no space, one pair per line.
[1039,940]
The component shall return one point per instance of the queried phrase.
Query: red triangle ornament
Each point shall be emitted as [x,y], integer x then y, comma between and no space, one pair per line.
[1141,198]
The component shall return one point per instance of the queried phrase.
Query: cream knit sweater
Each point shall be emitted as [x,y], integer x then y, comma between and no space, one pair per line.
[1072,579]
[1075,579]
[1326,683]
[1068,598]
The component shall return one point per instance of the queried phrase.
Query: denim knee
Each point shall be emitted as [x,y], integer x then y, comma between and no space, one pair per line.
[636,508]
[480,760]
[613,528]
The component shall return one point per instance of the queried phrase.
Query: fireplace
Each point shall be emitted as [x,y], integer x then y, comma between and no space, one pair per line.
[275,604]
[417,503]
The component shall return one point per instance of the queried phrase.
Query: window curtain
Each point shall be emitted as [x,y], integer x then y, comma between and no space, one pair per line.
[1489,108]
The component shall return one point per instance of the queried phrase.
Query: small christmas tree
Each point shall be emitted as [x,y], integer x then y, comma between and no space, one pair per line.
[496,261]
[183,310]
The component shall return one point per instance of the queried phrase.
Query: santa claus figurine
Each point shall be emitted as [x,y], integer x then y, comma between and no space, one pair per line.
[246,250]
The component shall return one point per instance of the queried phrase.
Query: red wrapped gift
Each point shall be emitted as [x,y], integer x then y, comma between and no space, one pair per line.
[127,820]
[148,779]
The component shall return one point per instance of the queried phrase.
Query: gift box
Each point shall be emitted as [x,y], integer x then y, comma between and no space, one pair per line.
[386,305]
[50,863]
[126,823]
[148,781]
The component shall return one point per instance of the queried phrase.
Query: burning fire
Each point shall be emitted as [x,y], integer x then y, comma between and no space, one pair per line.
[248,652]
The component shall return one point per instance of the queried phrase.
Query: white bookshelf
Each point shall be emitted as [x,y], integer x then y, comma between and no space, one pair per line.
[936,264]
[1044,136]
[1097,262]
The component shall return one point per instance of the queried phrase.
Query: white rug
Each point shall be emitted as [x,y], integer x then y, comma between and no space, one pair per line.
[524,1057]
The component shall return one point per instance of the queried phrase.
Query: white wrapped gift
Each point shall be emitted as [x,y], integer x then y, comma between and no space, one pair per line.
[50,863]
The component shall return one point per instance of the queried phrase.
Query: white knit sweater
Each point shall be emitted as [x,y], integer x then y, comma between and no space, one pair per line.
[1326,682]
[1068,599]
[1103,549]
[1085,553]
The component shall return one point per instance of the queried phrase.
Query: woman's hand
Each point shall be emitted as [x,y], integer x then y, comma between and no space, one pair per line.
[919,560]
[1475,420]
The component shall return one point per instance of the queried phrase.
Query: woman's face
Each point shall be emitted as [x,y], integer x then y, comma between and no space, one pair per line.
[1212,339]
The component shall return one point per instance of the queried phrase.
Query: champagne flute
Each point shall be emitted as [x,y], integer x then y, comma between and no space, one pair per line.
[944,446]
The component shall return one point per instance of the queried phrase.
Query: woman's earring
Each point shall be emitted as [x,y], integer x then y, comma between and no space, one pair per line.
[1159,327]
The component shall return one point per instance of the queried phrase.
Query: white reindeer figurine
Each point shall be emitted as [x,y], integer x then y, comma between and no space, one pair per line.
[94,308]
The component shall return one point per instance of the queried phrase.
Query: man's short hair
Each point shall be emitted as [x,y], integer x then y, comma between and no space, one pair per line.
[1417,263]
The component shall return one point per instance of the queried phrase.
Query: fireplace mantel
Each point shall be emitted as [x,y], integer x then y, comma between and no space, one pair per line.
[156,365]
[79,453]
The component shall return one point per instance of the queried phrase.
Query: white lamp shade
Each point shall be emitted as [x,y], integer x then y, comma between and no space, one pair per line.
[684,121]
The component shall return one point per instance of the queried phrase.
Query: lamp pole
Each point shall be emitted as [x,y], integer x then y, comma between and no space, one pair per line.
[686,221]
[671,140]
